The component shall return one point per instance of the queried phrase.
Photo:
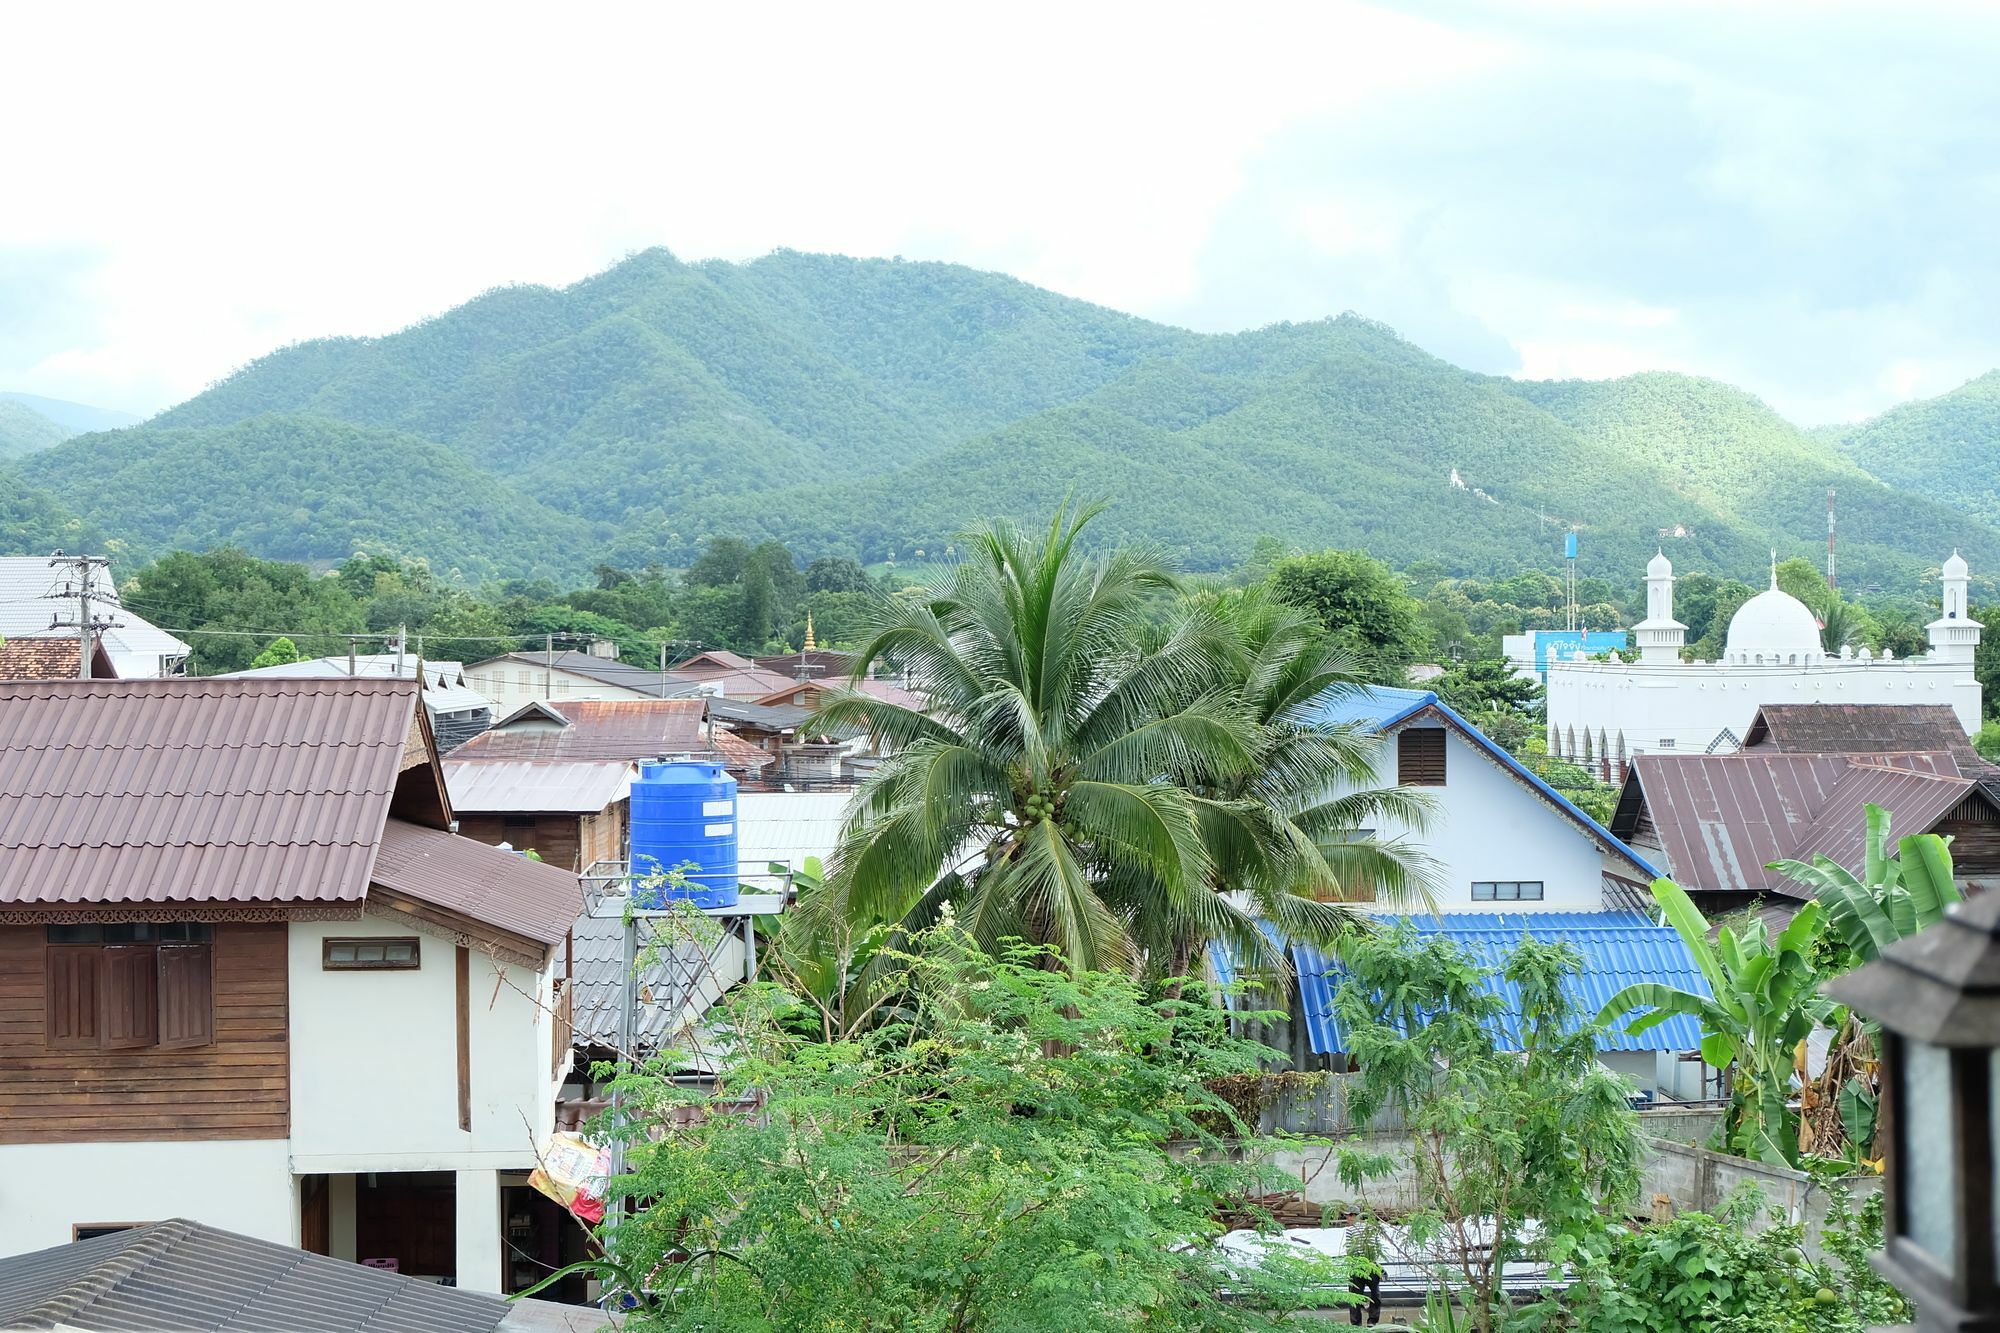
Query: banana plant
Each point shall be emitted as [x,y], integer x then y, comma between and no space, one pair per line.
[1893,898]
[1762,1001]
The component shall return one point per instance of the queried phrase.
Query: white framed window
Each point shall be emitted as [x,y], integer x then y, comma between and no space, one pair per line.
[1506,890]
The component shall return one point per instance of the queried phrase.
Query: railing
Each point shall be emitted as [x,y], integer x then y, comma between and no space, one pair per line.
[564,1025]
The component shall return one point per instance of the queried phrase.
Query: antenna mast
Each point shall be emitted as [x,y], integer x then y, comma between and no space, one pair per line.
[1832,580]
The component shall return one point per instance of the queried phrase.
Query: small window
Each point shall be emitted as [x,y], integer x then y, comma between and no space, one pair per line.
[1666,742]
[1420,757]
[1507,891]
[399,954]
[124,985]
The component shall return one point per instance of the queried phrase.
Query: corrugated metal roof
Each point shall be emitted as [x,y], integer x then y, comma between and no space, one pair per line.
[445,690]
[598,729]
[195,790]
[1381,707]
[1722,819]
[1863,729]
[1617,948]
[768,717]
[521,896]
[788,826]
[185,1276]
[522,786]
[605,671]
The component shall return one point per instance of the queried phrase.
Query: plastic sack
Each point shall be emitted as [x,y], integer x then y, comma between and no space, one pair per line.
[573,1173]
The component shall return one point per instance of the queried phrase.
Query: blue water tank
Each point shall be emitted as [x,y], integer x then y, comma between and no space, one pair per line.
[684,817]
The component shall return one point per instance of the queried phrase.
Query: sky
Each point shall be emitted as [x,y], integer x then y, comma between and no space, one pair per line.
[1800,199]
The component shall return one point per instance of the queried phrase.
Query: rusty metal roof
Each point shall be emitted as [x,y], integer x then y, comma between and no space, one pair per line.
[597,730]
[1863,729]
[1720,819]
[521,896]
[195,790]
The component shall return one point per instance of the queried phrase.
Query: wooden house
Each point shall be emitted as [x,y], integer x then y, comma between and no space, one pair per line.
[248,974]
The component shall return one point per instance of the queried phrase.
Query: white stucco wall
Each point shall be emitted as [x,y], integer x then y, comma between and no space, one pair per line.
[1682,709]
[240,1185]
[1490,826]
[375,1066]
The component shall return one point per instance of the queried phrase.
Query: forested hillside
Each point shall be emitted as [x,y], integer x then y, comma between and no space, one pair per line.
[1729,452]
[24,431]
[873,408]
[310,489]
[1947,448]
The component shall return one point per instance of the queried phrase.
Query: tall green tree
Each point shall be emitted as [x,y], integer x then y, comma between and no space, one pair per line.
[1364,606]
[1067,784]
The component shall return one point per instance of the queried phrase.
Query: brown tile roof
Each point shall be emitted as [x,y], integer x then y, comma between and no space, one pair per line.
[242,790]
[1720,819]
[47,658]
[520,896]
[196,790]
[597,730]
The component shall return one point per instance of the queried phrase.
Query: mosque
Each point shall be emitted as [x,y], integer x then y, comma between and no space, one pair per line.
[1603,713]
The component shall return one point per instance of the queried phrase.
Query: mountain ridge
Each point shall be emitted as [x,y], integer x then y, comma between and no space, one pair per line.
[868,407]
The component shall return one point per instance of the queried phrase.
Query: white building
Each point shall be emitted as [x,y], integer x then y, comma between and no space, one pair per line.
[34,594]
[250,977]
[1603,713]
[1512,858]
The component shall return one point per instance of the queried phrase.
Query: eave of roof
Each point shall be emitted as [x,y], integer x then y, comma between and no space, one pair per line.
[1384,709]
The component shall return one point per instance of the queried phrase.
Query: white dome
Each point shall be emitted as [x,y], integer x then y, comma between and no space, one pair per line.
[1773,625]
[1659,567]
[1956,568]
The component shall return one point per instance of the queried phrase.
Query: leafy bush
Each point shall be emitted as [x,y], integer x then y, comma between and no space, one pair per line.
[1703,1273]
[1022,1148]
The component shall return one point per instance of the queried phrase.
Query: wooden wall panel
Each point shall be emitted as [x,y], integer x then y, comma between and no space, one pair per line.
[235,1088]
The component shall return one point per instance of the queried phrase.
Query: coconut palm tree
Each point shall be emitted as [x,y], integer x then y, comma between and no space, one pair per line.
[1091,776]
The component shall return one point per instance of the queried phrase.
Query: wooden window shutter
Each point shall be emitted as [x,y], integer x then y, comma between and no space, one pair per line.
[1420,757]
[128,999]
[187,995]
[71,1016]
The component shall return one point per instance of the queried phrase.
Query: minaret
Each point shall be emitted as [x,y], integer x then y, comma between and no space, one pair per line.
[1954,634]
[1659,636]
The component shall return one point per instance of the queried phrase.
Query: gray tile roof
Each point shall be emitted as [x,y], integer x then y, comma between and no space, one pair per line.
[182,1275]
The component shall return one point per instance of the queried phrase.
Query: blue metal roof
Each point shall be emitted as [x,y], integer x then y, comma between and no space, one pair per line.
[1618,948]
[1379,707]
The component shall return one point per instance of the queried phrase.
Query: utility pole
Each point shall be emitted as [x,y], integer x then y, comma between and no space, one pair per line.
[548,666]
[83,568]
[402,635]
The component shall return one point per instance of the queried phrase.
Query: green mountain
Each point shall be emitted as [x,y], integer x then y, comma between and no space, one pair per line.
[1944,448]
[310,489]
[874,407]
[1729,452]
[24,431]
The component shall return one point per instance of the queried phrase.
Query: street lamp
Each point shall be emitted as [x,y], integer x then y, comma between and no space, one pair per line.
[1936,995]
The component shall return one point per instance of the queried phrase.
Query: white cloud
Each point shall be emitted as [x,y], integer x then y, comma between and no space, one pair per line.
[1512,187]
